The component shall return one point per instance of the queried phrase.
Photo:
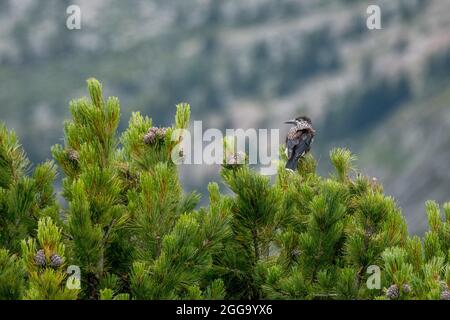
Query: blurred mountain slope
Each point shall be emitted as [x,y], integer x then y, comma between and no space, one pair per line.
[416,141]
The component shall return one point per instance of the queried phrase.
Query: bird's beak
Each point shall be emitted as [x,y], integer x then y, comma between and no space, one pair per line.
[291,122]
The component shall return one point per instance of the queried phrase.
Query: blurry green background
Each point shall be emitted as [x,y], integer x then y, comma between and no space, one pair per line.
[247,63]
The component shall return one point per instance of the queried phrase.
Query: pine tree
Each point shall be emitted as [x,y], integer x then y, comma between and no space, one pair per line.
[336,228]
[44,259]
[136,234]
[423,269]
[93,188]
[23,198]
[12,276]
[127,210]
[256,216]
[154,195]
[173,243]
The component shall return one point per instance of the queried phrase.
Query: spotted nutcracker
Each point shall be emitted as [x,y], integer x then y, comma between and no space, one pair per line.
[298,140]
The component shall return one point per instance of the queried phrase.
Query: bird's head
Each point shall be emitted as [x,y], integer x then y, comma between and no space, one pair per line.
[299,120]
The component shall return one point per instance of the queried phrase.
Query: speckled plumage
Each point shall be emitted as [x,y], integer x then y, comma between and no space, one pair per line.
[303,125]
[298,141]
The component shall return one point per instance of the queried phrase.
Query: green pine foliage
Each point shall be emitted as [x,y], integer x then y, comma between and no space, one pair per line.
[339,228]
[133,232]
[25,195]
[47,277]
[12,276]
[93,188]
[423,265]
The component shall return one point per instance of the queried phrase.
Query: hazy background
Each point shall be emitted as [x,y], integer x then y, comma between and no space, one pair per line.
[247,63]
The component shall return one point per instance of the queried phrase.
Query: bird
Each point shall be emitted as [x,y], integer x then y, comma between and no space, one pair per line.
[299,140]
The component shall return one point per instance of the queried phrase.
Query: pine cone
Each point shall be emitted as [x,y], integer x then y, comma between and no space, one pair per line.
[235,160]
[154,134]
[406,288]
[445,295]
[370,232]
[40,259]
[296,253]
[73,156]
[162,132]
[150,136]
[56,260]
[392,292]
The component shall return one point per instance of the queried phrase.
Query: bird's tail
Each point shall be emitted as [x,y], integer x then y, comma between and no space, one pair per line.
[292,164]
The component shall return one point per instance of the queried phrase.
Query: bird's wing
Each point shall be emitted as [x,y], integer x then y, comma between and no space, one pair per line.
[302,146]
[290,146]
[293,138]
